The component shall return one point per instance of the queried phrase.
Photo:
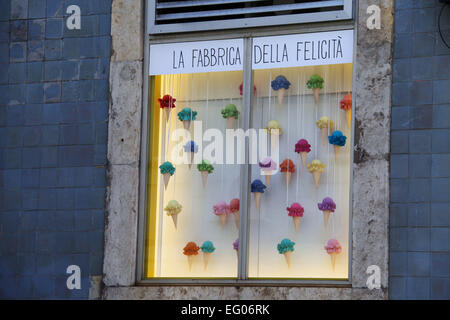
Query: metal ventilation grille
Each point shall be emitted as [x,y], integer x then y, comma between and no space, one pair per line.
[167,16]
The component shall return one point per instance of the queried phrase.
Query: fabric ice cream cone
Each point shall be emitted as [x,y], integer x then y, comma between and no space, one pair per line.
[333,256]
[167,113]
[280,95]
[326,217]
[316,94]
[206,257]
[296,222]
[230,122]
[166,179]
[190,260]
[257,196]
[191,158]
[187,124]
[336,151]
[287,256]
[175,219]
[303,155]
[324,133]
[223,219]
[268,176]
[288,177]
[348,115]
[236,219]
[316,176]
[204,178]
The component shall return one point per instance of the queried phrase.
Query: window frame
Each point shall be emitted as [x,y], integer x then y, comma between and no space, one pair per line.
[152,28]
[242,278]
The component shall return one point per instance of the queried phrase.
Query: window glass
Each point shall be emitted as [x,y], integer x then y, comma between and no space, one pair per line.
[300,229]
[192,218]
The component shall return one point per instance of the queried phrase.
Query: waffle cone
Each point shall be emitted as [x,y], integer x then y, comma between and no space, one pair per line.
[204,178]
[333,260]
[316,176]
[230,122]
[296,222]
[206,257]
[190,260]
[326,217]
[324,133]
[175,219]
[166,179]
[280,95]
[288,177]
[187,124]
[348,116]
[303,155]
[287,256]
[236,219]
[223,219]
[268,176]
[257,196]
[167,110]
[316,95]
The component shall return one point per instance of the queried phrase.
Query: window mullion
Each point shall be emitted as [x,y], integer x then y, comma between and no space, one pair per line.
[245,168]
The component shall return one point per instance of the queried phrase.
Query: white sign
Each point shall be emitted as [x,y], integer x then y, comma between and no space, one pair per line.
[194,57]
[298,50]
[310,49]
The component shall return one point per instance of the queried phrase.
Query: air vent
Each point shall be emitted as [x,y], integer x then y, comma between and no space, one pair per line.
[169,16]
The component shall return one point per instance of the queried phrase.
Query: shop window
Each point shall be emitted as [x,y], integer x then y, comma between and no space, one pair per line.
[294,210]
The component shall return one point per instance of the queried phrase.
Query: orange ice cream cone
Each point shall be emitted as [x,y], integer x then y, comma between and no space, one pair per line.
[166,179]
[296,222]
[287,256]
[316,176]
[326,217]
[204,178]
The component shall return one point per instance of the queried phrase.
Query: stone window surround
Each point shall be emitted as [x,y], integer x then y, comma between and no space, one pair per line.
[370,217]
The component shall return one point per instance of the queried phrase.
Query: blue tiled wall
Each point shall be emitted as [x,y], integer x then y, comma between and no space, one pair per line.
[53,135]
[420,153]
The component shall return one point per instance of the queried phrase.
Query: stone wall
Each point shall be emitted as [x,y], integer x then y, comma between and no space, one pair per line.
[420,154]
[53,136]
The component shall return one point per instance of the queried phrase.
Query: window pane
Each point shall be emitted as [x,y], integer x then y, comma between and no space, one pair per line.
[190,225]
[287,103]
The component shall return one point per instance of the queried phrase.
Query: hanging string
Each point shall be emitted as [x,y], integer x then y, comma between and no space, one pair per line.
[298,121]
[288,142]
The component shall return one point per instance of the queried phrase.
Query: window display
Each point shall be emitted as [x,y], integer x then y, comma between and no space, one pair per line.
[298,208]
